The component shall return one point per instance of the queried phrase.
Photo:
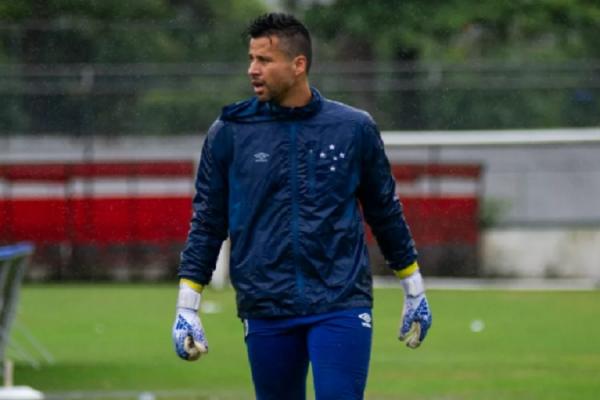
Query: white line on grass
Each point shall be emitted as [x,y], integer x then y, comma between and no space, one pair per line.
[525,284]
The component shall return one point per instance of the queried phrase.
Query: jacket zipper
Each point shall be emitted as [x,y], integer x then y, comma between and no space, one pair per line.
[311,170]
[295,210]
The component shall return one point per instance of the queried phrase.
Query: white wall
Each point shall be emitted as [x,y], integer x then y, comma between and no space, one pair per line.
[531,252]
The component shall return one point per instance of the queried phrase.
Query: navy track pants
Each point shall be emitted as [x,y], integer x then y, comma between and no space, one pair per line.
[336,344]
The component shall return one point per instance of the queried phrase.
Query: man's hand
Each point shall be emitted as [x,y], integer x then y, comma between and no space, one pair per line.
[416,316]
[188,334]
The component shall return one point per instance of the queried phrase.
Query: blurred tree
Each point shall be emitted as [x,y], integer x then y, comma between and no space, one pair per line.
[56,32]
[460,31]
[36,36]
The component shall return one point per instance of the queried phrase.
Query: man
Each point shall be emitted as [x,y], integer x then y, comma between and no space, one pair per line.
[283,175]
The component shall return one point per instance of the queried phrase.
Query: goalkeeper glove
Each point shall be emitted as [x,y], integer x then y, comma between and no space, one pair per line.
[188,334]
[416,316]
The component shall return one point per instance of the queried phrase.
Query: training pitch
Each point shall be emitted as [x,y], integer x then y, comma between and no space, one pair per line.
[113,341]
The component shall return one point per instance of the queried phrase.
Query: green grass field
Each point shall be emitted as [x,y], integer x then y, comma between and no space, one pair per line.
[535,345]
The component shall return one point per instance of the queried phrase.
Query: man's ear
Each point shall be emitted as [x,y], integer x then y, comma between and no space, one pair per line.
[300,63]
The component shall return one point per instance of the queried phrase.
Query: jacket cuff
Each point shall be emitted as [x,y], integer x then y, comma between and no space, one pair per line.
[407,271]
[197,287]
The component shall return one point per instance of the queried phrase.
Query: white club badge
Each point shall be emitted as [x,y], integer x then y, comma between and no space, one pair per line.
[332,155]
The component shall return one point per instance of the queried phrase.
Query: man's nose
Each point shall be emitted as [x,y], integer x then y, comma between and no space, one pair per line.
[253,69]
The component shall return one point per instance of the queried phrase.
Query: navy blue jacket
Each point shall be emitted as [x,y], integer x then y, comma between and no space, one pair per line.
[285,185]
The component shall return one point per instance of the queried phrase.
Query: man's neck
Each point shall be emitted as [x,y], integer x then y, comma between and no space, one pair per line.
[298,96]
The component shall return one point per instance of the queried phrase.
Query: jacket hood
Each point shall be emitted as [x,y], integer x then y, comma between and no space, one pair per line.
[253,110]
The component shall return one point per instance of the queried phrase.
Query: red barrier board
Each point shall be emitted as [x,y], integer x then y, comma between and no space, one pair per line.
[130,217]
[62,172]
[99,220]
[163,219]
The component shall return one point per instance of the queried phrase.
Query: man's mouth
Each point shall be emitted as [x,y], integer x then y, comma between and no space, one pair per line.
[258,86]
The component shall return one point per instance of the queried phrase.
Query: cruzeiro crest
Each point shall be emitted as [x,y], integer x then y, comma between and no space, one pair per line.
[333,156]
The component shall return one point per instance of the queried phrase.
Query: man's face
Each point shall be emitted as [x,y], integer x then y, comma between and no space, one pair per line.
[272,72]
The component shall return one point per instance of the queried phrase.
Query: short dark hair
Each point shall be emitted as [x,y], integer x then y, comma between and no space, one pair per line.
[286,27]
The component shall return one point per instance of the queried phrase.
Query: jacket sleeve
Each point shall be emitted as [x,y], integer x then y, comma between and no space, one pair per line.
[209,223]
[381,206]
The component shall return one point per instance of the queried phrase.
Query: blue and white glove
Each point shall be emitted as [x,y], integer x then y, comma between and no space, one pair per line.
[188,334]
[416,316]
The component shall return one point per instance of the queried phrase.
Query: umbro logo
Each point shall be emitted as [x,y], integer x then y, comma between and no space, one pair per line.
[366,319]
[261,157]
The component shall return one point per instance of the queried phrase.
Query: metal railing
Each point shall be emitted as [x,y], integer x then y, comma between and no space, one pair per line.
[13,261]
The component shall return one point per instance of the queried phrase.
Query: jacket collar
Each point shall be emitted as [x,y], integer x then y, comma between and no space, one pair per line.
[252,110]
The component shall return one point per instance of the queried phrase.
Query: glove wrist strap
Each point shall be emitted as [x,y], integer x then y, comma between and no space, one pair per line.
[188,298]
[413,285]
